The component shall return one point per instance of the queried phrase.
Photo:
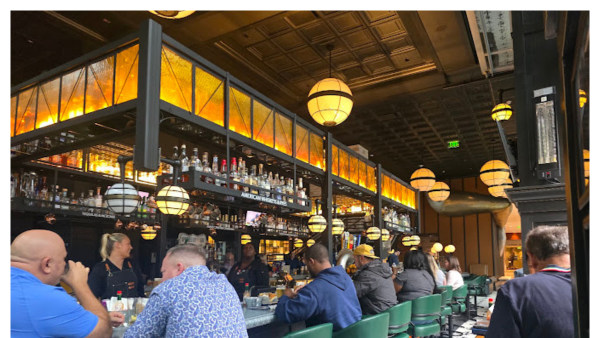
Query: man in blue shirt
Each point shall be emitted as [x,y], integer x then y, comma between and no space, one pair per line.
[394,262]
[329,298]
[191,301]
[40,309]
[538,305]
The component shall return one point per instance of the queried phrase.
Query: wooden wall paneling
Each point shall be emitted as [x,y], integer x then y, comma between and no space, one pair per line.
[471,242]
[445,235]
[470,184]
[485,241]
[430,218]
[481,187]
[458,240]
[456,184]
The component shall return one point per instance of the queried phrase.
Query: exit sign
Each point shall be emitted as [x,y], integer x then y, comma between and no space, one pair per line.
[453,144]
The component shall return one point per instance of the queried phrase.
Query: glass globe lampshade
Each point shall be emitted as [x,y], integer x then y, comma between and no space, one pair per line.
[149,233]
[438,247]
[502,112]
[385,235]
[415,240]
[422,179]
[317,223]
[497,190]
[310,242]
[172,14]
[298,243]
[373,233]
[450,248]
[122,198]
[494,172]
[172,200]
[330,102]
[246,239]
[338,226]
[439,192]
[413,248]
[406,241]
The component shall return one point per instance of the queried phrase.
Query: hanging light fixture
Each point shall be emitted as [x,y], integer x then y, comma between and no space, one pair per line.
[586,165]
[172,200]
[149,233]
[438,247]
[582,98]
[439,192]
[413,248]
[330,100]
[122,199]
[172,14]
[373,233]
[415,240]
[246,239]
[449,248]
[502,112]
[497,190]
[338,226]
[406,241]
[310,242]
[317,223]
[385,235]
[422,179]
[494,172]
[298,243]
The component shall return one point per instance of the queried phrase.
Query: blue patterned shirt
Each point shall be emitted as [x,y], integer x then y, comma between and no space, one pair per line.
[197,303]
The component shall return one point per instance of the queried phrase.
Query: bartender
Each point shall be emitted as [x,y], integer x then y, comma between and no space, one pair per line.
[249,270]
[116,271]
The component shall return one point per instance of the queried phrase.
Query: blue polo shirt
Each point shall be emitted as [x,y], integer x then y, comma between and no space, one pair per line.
[537,305]
[40,310]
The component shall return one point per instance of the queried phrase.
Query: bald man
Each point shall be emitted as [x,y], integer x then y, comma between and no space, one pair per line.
[41,309]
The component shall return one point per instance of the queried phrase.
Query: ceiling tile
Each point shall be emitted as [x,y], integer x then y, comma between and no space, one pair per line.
[407,59]
[380,66]
[346,22]
[317,32]
[305,55]
[370,53]
[248,37]
[264,50]
[280,62]
[359,39]
[390,30]
[378,16]
[289,41]
[274,27]
[301,18]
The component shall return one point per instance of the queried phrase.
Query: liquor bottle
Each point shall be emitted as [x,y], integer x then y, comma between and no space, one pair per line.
[223,173]
[194,161]
[90,202]
[271,183]
[65,200]
[43,194]
[98,199]
[290,190]
[81,202]
[73,202]
[245,179]
[259,180]
[299,193]
[234,176]
[215,169]
[184,160]
[56,196]
[207,169]
[279,187]
[173,157]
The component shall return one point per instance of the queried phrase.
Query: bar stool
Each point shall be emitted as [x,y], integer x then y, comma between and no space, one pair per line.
[317,331]
[375,326]
[426,308]
[399,319]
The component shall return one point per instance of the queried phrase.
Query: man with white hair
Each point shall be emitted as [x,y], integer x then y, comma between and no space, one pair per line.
[540,304]
[191,301]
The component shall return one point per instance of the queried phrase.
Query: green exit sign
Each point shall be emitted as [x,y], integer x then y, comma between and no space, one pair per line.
[453,144]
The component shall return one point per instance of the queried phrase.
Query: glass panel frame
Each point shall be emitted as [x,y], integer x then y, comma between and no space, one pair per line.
[72,94]
[47,106]
[344,160]
[335,165]
[302,140]
[26,111]
[263,120]
[176,79]
[13,113]
[316,151]
[241,103]
[353,169]
[209,99]
[126,75]
[283,134]
[99,86]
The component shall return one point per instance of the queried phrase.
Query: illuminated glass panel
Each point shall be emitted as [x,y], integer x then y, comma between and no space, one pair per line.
[386,186]
[362,174]
[316,151]
[405,196]
[210,101]
[99,89]
[334,159]
[263,124]
[399,192]
[343,164]
[239,112]
[26,111]
[48,104]
[71,95]
[301,143]
[283,135]
[353,169]
[371,179]
[13,109]
[126,84]
[175,80]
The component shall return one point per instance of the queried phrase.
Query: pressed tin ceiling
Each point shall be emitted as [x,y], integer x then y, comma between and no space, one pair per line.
[414,75]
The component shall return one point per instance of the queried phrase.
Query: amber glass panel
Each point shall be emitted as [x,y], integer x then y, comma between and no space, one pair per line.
[405,196]
[263,124]
[99,89]
[175,79]
[362,174]
[13,109]
[26,111]
[335,160]
[353,169]
[71,95]
[316,151]
[344,164]
[413,199]
[386,186]
[47,110]
[210,102]
[400,192]
[239,112]
[302,143]
[126,85]
[283,135]
[371,179]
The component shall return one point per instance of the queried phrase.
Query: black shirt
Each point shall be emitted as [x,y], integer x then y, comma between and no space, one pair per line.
[255,274]
[538,305]
[98,278]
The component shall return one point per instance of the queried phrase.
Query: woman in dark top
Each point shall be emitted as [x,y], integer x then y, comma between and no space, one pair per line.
[416,280]
[249,270]
[116,271]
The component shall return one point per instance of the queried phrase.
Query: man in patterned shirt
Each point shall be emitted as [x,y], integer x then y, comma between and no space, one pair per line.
[191,301]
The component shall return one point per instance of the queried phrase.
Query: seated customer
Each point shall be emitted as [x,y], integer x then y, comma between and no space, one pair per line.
[439,275]
[541,304]
[453,276]
[191,301]
[416,280]
[329,298]
[373,282]
[38,308]
[394,262]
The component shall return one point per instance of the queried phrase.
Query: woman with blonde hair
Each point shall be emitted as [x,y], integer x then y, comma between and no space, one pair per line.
[437,273]
[115,272]
[453,276]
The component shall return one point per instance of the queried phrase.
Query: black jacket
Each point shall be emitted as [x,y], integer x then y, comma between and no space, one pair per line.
[257,274]
[374,287]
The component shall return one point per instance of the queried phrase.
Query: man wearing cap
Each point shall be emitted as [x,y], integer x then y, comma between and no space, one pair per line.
[373,282]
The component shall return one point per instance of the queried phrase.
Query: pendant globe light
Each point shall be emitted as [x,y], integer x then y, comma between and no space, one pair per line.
[502,112]
[422,179]
[310,242]
[338,226]
[413,248]
[406,241]
[438,247]
[122,199]
[439,192]
[298,243]
[317,223]
[586,165]
[373,233]
[173,200]
[415,240]
[330,100]
[449,248]
[385,235]
[149,233]
[494,172]
[497,190]
[172,14]
[246,239]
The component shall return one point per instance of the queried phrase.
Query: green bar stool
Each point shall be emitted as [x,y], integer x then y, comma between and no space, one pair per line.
[475,288]
[447,308]
[317,331]
[458,300]
[399,319]
[424,309]
[375,326]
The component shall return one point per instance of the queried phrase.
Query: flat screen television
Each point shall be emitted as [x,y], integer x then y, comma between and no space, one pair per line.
[251,216]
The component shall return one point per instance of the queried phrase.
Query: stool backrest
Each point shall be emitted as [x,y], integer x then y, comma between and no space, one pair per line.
[426,307]
[460,293]
[449,292]
[375,326]
[399,317]
[317,331]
